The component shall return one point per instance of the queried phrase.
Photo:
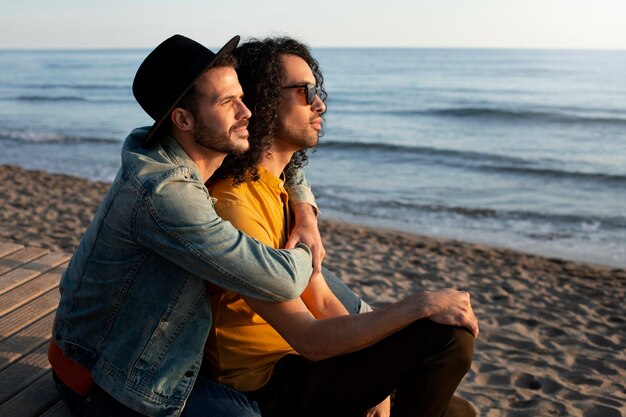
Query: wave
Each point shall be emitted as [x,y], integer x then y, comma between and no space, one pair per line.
[507,115]
[477,161]
[560,174]
[71,86]
[49,98]
[343,100]
[38,98]
[418,150]
[392,208]
[50,137]
[68,65]
[518,215]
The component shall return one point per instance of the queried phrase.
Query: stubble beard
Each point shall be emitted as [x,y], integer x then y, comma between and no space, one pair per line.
[300,138]
[219,141]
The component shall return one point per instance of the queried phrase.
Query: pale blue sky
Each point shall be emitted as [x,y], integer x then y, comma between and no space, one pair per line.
[580,24]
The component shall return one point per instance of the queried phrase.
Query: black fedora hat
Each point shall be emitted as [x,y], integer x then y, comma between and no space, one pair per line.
[168,72]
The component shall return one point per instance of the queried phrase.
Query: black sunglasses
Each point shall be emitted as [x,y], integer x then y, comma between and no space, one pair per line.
[311,91]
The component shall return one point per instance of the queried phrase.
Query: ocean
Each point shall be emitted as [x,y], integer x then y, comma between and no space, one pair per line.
[524,149]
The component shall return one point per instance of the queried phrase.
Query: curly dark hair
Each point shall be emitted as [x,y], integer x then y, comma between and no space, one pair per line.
[261,76]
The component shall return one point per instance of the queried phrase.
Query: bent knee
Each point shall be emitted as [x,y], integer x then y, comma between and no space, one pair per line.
[451,345]
[456,347]
[462,345]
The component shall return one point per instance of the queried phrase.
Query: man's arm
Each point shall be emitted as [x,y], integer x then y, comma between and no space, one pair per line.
[305,210]
[320,339]
[247,221]
[320,300]
[177,221]
[299,191]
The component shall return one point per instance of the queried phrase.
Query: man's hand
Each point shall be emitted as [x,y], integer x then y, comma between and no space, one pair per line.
[381,410]
[305,231]
[451,307]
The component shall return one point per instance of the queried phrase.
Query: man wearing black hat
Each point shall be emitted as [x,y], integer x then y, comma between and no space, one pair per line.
[134,313]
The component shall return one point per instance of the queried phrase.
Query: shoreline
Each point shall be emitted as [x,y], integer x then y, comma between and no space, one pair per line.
[553,332]
[84,206]
[377,225]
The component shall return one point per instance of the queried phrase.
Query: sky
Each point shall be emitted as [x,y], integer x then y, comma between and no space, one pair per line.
[80,24]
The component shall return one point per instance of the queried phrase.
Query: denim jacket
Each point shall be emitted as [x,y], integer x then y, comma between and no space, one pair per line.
[134,307]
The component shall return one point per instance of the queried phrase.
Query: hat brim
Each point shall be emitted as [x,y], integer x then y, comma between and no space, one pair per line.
[226,49]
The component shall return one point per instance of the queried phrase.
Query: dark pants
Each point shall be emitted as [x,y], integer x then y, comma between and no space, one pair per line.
[424,363]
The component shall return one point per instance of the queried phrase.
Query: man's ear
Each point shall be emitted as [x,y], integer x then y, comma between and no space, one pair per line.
[182,119]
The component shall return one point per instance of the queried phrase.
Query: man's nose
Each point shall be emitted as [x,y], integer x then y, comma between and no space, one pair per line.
[318,105]
[243,112]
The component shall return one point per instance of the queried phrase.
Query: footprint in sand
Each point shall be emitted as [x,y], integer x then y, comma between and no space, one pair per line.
[536,406]
[527,381]
[498,378]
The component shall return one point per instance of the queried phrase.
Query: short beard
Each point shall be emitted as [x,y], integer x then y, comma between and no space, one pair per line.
[298,138]
[210,138]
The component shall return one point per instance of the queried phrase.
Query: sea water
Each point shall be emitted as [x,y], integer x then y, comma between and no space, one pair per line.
[517,148]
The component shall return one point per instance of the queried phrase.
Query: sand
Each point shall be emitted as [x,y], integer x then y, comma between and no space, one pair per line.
[553,332]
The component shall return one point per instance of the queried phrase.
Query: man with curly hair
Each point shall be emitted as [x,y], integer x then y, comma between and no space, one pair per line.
[307,356]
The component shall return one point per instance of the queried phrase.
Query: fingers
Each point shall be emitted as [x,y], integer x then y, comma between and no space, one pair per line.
[317,262]
[291,243]
[471,323]
[454,308]
[317,249]
[469,319]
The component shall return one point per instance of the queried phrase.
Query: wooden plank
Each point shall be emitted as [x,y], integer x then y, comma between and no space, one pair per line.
[25,341]
[27,292]
[19,258]
[58,410]
[34,400]
[29,279]
[21,374]
[23,316]
[25,272]
[9,247]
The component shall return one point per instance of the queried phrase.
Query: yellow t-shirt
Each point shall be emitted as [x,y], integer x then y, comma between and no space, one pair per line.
[242,348]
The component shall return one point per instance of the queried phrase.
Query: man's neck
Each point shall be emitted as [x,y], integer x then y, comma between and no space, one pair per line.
[208,164]
[276,160]
[208,161]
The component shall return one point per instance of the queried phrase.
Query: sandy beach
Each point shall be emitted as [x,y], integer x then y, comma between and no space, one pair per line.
[553,332]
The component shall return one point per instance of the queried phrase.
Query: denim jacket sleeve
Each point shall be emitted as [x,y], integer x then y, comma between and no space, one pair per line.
[180,224]
[299,190]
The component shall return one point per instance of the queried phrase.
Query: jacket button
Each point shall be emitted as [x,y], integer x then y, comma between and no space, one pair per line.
[189,374]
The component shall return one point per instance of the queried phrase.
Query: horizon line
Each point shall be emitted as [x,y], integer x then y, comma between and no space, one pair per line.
[137,48]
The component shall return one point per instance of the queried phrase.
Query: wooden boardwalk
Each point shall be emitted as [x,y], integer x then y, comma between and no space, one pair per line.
[29,280]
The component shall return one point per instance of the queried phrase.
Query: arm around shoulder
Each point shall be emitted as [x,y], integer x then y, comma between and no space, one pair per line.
[177,221]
